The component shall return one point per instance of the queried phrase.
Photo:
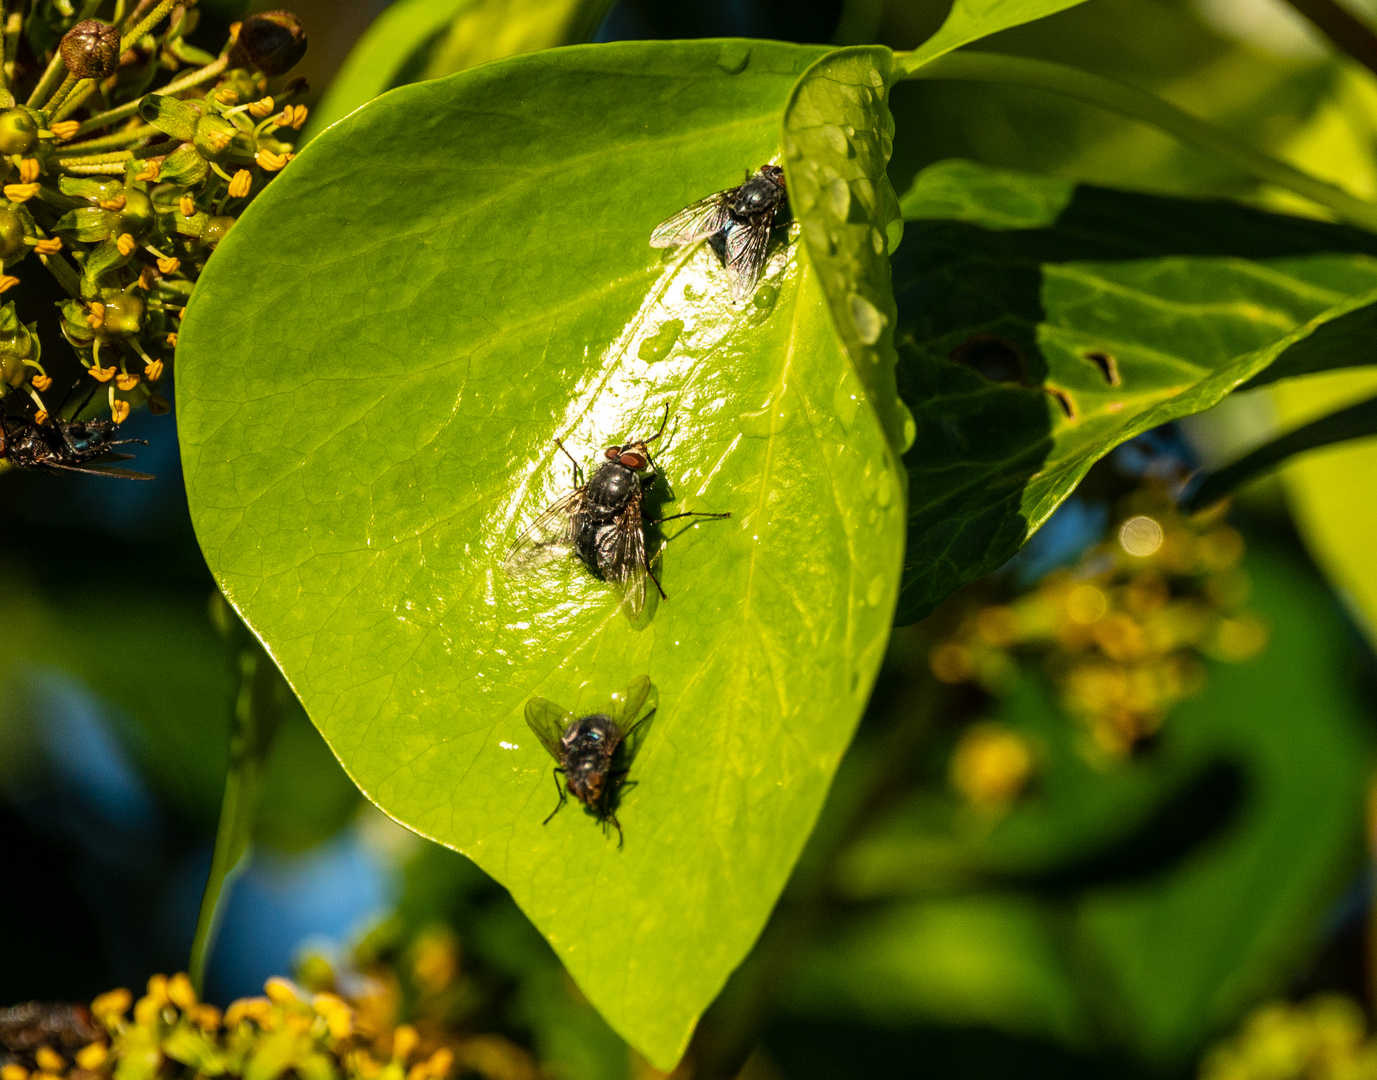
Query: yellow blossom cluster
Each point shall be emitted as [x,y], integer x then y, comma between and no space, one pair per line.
[1121,635]
[1325,1038]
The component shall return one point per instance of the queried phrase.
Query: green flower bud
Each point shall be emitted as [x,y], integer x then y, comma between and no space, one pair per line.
[91,50]
[136,216]
[273,42]
[123,316]
[214,137]
[11,234]
[215,230]
[18,131]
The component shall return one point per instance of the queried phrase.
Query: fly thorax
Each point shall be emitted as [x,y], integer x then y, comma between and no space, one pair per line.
[612,487]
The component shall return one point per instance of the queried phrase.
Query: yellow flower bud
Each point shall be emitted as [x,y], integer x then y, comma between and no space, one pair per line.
[20,192]
[404,1041]
[240,185]
[207,1016]
[49,1060]
[440,1063]
[92,1056]
[111,1005]
[13,1072]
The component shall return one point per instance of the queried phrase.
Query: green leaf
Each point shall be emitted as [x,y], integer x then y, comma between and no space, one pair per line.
[971,20]
[425,39]
[1329,491]
[1042,324]
[368,390]
[839,136]
[1343,425]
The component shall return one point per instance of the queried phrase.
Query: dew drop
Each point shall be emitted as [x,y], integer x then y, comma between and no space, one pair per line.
[850,131]
[734,56]
[657,346]
[846,400]
[876,591]
[866,317]
[884,490]
[839,197]
[764,298]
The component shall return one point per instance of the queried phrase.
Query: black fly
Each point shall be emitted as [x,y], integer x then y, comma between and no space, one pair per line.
[585,748]
[740,219]
[600,521]
[84,446]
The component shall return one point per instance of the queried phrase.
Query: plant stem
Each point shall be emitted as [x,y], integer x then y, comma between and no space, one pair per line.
[257,711]
[1348,33]
[116,141]
[63,273]
[176,86]
[1135,104]
[75,100]
[61,92]
[52,76]
[147,24]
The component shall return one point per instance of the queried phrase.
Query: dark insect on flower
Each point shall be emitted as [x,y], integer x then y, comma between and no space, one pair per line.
[83,446]
[739,219]
[601,522]
[586,748]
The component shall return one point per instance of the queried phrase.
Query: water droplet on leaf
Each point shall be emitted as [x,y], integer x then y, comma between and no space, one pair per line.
[657,346]
[839,197]
[867,319]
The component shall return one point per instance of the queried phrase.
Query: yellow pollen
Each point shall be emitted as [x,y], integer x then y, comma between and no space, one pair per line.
[13,1072]
[41,417]
[92,1056]
[168,266]
[153,370]
[147,276]
[404,1041]
[96,316]
[112,1004]
[41,382]
[187,206]
[120,411]
[66,129]
[20,192]
[49,246]
[126,244]
[270,161]
[261,108]
[240,185]
[28,170]
[127,383]
[227,94]
[151,171]
[117,203]
[219,139]
[8,282]
[49,1060]
[105,374]
[440,1063]
[280,991]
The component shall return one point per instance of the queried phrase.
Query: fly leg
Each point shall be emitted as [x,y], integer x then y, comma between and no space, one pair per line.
[562,796]
[645,555]
[578,472]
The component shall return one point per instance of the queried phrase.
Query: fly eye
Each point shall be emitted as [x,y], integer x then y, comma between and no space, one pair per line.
[612,452]
[633,461]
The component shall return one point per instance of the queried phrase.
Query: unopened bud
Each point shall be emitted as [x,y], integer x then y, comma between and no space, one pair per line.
[273,42]
[91,50]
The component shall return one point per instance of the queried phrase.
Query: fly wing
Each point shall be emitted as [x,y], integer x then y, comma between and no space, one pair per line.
[632,710]
[548,721]
[628,566]
[746,247]
[702,219]
[549,536]
[103,470]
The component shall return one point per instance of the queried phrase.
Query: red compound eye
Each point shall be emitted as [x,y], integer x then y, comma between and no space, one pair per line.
[633,461]
[612,453]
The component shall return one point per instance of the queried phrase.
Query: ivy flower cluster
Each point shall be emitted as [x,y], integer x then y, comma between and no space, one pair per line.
[168,1033]
[1122,637]
[1325,1038]
[121,191]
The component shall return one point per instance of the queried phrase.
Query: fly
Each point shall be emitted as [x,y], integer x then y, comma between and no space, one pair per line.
[601,522]
[83,446]
[738,219]
[586,748]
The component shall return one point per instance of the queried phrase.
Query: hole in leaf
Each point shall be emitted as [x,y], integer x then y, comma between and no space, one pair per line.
[1064,400]
[1109,367]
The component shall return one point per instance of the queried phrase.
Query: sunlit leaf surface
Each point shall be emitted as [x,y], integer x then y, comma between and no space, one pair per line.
[1041,324]
[369,389]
